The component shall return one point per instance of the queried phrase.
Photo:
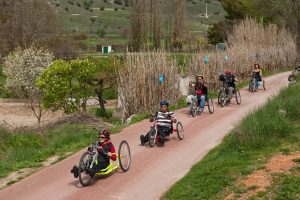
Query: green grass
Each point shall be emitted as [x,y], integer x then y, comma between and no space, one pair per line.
[246,149]
[22,150]
[286,187]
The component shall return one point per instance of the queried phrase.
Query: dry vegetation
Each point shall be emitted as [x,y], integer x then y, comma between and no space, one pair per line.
[250,43]
[138,81]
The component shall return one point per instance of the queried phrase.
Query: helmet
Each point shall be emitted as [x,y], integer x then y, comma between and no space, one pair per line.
[164,103]
[105,132]
[227,71]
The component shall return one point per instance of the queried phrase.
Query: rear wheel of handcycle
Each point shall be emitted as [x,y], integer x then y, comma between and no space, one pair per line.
[210,105]
[152,137]
[264,84]
[124,156]
[193,108]
[238,96]
[180,131]
[84,164]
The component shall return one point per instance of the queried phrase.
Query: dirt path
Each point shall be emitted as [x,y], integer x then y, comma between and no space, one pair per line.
[153,170]
[16,114]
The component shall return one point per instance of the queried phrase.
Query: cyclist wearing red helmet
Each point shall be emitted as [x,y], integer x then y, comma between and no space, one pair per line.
[230,83]
[164,118]
[106,152]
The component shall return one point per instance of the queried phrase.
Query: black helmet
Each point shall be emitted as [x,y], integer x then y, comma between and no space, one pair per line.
[164,103]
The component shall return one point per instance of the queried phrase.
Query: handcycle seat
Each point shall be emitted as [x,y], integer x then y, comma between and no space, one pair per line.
[111,167]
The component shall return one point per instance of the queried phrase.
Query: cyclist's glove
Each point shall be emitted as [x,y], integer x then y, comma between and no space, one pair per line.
[102,152]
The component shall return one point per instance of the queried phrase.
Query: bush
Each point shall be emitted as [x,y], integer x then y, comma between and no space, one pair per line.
[118,2]
[102,8]
[116,9]
[71,2]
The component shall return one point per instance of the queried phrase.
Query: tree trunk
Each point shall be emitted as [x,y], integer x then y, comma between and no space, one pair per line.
[101,103]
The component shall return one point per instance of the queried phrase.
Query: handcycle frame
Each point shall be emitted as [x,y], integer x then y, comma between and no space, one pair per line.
[153,134]
[194,105]
[89,159]
[223,95]
[251,86]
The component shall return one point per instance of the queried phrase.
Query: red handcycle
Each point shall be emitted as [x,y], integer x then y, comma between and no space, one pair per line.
[153,134]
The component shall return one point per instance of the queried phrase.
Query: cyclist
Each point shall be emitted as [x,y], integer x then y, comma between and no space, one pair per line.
[164,118]
[106,152]
[257,73]
[229,83]
[201,91]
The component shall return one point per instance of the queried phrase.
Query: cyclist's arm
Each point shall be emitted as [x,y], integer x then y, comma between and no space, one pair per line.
[112,153]
[173,118]
[205,85]
[191,84]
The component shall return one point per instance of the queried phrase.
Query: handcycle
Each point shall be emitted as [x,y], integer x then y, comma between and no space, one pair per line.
[223,95]
[252,83]
[89,159]
[153,134]
[193,105]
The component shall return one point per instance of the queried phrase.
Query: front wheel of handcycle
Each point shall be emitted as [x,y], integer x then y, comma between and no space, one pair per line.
[210,105]
[84,164]
[124,156]
[193,108]
[251,86]
[179,130]
[152,137]
[238,97]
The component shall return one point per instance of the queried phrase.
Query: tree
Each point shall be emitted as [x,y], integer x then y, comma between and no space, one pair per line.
[156,23]
[104,79]
[23,68]
[26,22]
[65,85]
[179,28]
[138,21]
[217,33]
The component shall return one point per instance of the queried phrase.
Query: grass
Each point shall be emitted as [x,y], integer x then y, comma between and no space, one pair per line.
[116,24]
[246,149]
[287,187]
[22,150]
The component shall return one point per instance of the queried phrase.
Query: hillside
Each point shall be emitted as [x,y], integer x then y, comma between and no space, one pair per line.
[103,21]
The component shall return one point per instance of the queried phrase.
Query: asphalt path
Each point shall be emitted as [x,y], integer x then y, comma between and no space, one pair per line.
[153,170]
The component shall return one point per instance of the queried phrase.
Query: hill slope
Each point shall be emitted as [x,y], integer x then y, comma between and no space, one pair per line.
[100,19]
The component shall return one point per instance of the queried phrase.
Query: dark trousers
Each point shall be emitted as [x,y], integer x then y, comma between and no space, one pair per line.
[98,167]
[162,131]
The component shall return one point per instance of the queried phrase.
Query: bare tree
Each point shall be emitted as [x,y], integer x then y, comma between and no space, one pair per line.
[179,28]
[138,20]
[156,23]
[26,23]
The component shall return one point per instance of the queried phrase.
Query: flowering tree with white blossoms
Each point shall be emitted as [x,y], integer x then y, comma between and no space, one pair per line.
[22,68]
